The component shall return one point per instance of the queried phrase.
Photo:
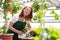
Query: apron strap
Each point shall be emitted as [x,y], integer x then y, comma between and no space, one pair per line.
[18,18]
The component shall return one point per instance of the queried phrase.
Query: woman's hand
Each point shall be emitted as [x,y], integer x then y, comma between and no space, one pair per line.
[20,32]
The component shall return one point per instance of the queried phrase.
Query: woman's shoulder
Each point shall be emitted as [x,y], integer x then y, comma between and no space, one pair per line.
[14,18]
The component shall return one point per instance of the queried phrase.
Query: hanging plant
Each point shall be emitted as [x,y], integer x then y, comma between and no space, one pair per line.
[45,6]
[9,6]
[56,16]
[36,5]
[16,7]
[5,10]
[6,6]
[39,16]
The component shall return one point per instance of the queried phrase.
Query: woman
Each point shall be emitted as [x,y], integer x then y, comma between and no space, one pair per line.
[18,23]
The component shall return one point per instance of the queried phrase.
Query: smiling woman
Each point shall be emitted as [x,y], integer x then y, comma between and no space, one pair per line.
[18,22]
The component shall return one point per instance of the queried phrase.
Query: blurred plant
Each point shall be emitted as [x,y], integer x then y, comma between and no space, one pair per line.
[37,38]
[52,32]
[3,30]
[46,4]
[9,6]
[5,11]
[40,14]
[36,5]
[40,33]
[0,2]
[56,16]
[38,30]
[35,32]
[49,33]
[15,7]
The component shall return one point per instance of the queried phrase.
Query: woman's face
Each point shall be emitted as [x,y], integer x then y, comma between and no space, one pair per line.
[27,11]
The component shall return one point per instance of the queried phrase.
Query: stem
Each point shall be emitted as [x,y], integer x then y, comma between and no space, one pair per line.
[42,8]
[5,25]
[5,14]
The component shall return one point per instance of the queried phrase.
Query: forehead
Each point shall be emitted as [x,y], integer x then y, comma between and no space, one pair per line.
[28,8]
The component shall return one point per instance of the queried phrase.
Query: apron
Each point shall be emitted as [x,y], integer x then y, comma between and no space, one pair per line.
[19,26]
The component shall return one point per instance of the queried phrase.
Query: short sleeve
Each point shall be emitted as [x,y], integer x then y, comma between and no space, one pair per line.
[14,19]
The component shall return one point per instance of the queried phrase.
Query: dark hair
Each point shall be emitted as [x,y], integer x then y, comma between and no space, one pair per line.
[29,17]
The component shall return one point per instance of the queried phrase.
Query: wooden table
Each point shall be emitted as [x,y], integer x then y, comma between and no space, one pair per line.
[26,38]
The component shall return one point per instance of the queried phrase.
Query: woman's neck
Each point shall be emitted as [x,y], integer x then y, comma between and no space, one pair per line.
[22,19]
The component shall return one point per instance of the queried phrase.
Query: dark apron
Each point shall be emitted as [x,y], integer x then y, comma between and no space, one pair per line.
[19,26]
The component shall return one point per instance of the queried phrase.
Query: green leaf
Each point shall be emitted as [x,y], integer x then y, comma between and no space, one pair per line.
[38,30]
[35,18]
[8,18]
[52,12]
[0,2]
[4,29]
[45,6]
[54,34]
[37,38]
[56,17]
[16,7]
[40,13]
[40,20]
[35,5]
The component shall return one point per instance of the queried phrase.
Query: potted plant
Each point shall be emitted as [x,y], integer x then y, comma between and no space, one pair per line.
[7,7]
[4,35]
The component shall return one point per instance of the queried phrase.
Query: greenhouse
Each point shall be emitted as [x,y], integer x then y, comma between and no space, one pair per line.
[29,19]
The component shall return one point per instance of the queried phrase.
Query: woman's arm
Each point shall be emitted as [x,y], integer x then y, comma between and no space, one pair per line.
[13,29]
[28,23]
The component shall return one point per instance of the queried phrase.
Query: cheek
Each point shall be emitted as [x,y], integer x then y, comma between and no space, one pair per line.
[28,12]
[24,11]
